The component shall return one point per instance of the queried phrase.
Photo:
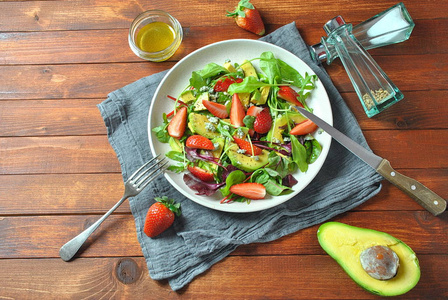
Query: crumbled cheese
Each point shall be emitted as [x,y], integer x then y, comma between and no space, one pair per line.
[213,120]
[216,146]
[275,140]
[242,151]
[226,127]
[210,127]
[204,88]
[256,157]
[240,133]
[287,139]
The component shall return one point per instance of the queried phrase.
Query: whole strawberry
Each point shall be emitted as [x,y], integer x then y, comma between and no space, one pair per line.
[161,216]
[247,17]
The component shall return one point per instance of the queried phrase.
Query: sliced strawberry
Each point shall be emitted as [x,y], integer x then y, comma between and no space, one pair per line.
[199,142]
[247,17]
[263,121]
[254,110]
[249,190]
[216,109]
[245,145]
[237,112]
[303,128]
[222,85]
[201,174]
[289,94]
[178,123]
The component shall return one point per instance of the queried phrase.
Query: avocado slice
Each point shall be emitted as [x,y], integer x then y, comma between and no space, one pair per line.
[345,243]
[187,97]
[229,67]
[245,162]
[248,69]
[275,134]
[198,104]
[200,124]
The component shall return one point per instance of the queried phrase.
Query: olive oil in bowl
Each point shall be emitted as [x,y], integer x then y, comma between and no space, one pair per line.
[155,35]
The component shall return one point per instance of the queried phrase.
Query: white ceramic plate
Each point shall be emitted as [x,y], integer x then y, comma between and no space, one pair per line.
[237,50]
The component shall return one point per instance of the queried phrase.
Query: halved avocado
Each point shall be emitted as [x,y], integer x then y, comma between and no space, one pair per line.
[345,243]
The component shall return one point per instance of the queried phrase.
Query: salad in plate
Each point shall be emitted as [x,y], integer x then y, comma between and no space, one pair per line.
[235,130]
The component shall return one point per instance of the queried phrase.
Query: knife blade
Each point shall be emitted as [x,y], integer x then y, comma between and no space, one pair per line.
[417,191]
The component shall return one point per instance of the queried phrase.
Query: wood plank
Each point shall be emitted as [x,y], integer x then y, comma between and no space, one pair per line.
[71,194]
[61,194]
[71,81]
[74,193]
[93,154]
[97,80]
[419,110]
[395,146]
[52,117]
[127,277]
[71,154]
[42,236]
[102,14]
[51,47]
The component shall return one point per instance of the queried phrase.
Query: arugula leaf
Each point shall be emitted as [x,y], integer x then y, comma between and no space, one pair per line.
[233,178]
[313,150]
[248,85]
[299,154]
[269,65]
[161,131]
[211,70]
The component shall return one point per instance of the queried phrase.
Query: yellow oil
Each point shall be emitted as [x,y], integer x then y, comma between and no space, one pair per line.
[155,36]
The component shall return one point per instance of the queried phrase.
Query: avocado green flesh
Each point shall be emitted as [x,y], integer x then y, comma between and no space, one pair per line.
[245,162]
[344,243]
[199,123]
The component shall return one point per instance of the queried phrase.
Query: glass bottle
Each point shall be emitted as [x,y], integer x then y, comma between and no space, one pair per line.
[391,26]
[375,90]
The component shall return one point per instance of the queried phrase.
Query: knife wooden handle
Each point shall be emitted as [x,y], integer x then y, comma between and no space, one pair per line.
[420,193]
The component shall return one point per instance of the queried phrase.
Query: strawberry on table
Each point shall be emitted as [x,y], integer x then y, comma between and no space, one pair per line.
[199,142]
[201,174]
[247,17]
[161,216]
[178,123]
[263,121]
[216,109]
[249,190]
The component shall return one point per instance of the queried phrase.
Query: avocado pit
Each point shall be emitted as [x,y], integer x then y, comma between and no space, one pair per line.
[380,262]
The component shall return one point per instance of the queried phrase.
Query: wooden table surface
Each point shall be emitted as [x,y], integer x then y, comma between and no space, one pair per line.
[58,173]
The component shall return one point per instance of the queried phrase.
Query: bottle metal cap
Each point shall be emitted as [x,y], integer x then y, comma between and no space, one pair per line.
[333,24]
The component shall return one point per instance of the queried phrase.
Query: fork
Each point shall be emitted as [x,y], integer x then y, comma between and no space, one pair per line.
[133,186]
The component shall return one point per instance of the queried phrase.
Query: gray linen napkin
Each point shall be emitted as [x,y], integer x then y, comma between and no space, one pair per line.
[202,236]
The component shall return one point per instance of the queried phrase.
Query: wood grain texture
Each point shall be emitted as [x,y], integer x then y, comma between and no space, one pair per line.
[59,174]
[42,236]
[281,277]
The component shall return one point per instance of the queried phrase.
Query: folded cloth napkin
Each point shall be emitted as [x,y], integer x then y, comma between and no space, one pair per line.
[202,236]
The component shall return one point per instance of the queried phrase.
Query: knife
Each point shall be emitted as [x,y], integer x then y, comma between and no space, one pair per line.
[420,193]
